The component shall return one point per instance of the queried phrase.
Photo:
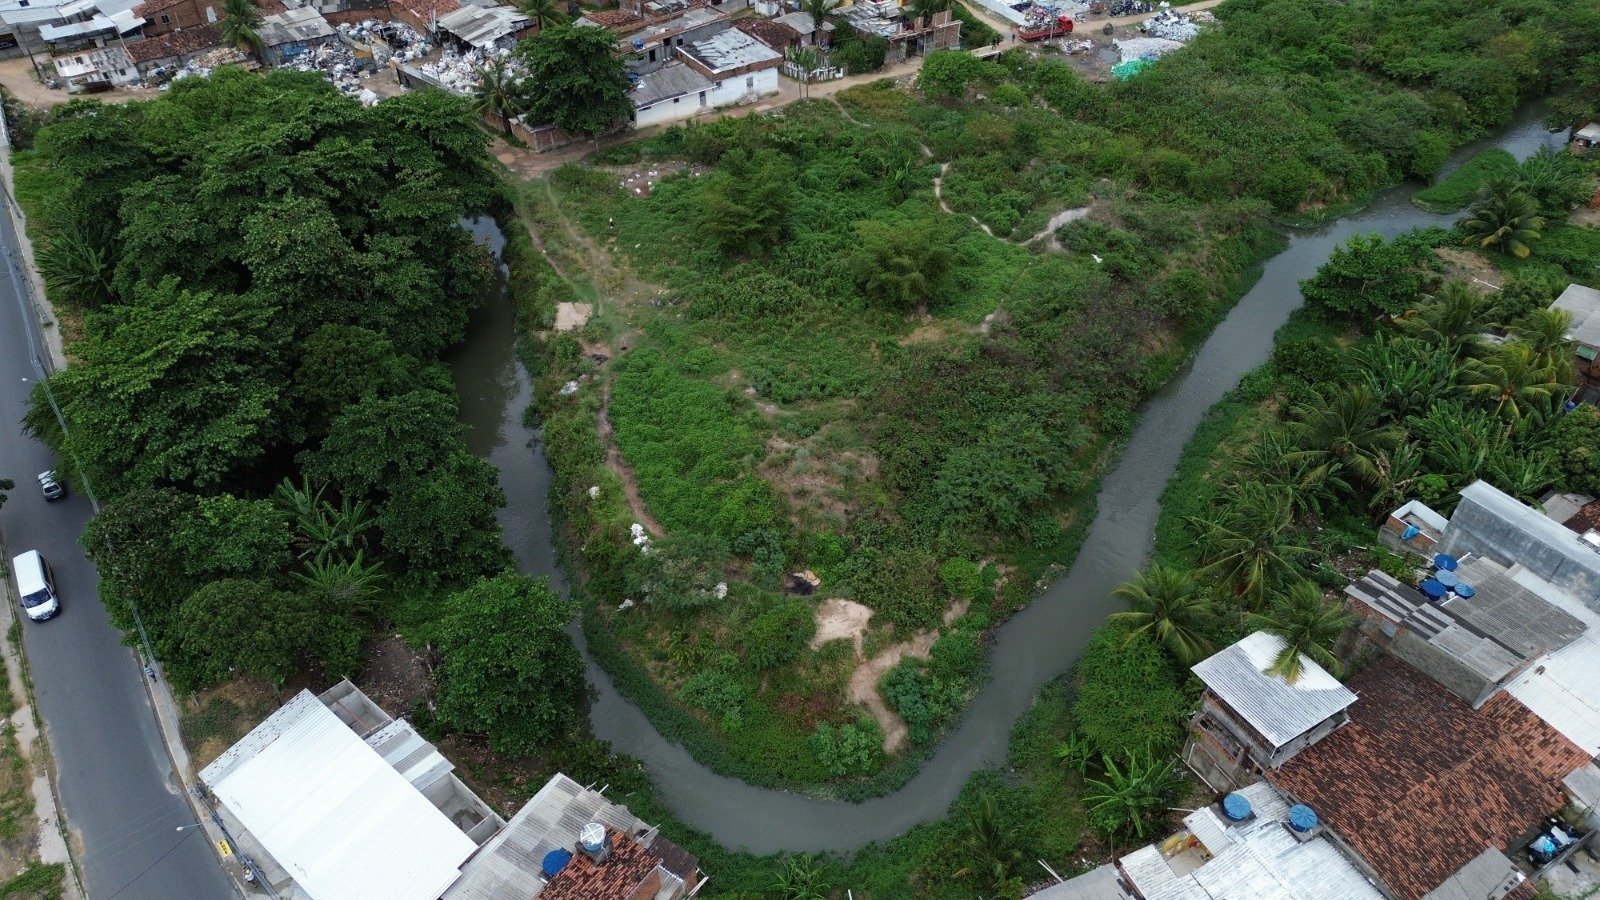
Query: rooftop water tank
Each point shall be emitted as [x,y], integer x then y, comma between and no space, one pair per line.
[1432,589]
[1464,591]
[1236,807]
[638,43]
[593,837]
[1445,562]
[1447,578]
[1302,818]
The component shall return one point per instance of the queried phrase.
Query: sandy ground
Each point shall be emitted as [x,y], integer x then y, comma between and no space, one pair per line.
[1471,266]
[18,77]
[572,316]
[845,619]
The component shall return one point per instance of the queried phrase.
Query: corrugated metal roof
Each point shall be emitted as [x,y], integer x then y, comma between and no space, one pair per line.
[671,80]
[1211,831]
[482,26]
[1280,711]
[1154,879]
[1564,690]
[1584,305]
[1510,613]
[1099,883]
[508,867]
[729,50]
[339,819]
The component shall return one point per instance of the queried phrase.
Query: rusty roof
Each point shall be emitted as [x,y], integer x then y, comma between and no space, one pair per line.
[625,870]
[1587,517]
[175,44]
[774,34]
[427,10]
[1420,784]
[614,18]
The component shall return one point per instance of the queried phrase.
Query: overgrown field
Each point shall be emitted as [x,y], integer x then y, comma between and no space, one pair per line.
[847,341]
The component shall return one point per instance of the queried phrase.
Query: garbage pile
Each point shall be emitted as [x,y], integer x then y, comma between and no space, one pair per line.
[335,62]
[203,65]
[1128,7]
[1171,25]
[458,72]
[388,40]
[1073,48]
[1145,49]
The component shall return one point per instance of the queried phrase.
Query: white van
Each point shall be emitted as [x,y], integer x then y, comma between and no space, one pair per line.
[37,585]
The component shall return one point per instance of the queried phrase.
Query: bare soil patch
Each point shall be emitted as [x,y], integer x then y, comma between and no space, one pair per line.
[1471,267]
[214,719]
[397,677]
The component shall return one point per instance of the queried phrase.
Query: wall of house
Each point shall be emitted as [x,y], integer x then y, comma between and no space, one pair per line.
[188,14]
[1318,732]
[728,92]
[1517,536]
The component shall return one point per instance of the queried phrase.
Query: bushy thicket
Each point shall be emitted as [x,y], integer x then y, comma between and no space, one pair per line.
[267,273]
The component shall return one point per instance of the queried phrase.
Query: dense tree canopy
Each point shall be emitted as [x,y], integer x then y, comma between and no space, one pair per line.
[574,79]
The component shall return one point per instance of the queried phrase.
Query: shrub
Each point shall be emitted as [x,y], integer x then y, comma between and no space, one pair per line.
[855,748]
[777,635]
[1128,695]
[717,692]
[962,578]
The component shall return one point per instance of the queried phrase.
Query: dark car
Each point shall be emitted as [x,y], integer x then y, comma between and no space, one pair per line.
[53,489]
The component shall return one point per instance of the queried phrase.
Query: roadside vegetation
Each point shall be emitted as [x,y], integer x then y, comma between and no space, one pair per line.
[266,275]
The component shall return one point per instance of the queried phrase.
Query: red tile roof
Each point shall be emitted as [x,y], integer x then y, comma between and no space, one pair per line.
[613,18]
[620,877]
[147,8]
[774,34]
[1419,783]
[175,43]
[1587,517]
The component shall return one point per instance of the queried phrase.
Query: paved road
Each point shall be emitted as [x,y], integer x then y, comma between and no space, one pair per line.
[117,783]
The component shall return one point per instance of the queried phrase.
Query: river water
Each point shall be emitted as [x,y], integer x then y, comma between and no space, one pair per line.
[1034,646]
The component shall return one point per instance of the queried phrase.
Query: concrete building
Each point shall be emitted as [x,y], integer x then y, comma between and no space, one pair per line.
[906,37]
[486,27]
[1249,721]
[292,32]
[1259,855]
[1494,525]
[730,68]
[1583,304]
[99,68]
[335,800]
[658,44]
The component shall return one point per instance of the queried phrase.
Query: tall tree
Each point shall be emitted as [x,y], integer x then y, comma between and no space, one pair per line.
[1544,333]
[544,13]
[989,847]
[499,92]
[1309,627]
[818,10]
[1512,382]
[241,26]
[1363,277]
[507,668]
[1170,606]
[1555,179]
[1249,544]
[1346,426]
[1452,320]
[574,81]
[1504,217]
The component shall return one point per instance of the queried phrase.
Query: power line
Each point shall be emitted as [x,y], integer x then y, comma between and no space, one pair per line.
[147,869]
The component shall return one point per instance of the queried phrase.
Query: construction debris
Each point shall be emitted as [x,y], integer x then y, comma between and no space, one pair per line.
[1073,48]
[1145,49]
[203,65]
[339,65]
[459,72]
[387,40]
[1171,25]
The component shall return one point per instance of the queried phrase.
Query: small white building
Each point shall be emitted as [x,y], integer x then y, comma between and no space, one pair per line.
[94,69]
[730,68]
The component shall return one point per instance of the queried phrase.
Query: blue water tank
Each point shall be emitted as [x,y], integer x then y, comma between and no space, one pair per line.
[1302,818]
[1465,591]
[1236,807]
[1432,588]
[1446,562]
[638,43]
[554,862]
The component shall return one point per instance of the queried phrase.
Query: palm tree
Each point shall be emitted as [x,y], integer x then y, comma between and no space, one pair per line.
[1309,627]
[917,10]
[1555,179]
[498,94]
[1453,320]
[1130,793]
[1347,427]
[1249,543]
[345,586]
[1504,217]
[78,267]
[989,847]
[1511,381]
[818,11]
[1170,606]
[1544,332]
[241,26]
[543,13]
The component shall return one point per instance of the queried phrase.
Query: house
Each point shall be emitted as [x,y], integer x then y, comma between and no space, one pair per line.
[163,16]
[1254,844]
[1413,528]
[805,26]
[1583,304]
[334,800]
[671,92]
[659,44]
[70,25]
[486,27]
[728,68]
[1586,138]
[95,69]
[1250,721]
[776,35]
[1494,525]
[173,48]
[906,37]
[292,32]
[1434,796]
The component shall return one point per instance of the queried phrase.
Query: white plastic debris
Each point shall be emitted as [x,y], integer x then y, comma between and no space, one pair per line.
[721,590]
[569,388]
[640,539]
[1145,48]
[594,492]
[626,604]
[1171,25]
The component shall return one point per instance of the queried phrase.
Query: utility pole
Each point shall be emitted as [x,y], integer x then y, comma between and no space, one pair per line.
[251,870]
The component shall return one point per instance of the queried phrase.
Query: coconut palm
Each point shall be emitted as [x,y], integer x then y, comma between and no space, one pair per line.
[1544,332]
[241,26]
[499,93]
[1511,381]
[1347,426]
[1273,459]
[1131,792]
[1170,606]
[543,13]
[1555,179]
[989,846]
[1453,320]
[1504,217]
[818,10]
[1309,627]
[1249,543]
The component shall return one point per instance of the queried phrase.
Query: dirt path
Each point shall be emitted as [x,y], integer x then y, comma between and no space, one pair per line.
[938,194]
[623,471]
[845,619]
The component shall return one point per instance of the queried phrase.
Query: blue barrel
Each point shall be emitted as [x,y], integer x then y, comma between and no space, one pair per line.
[1432,588]
[1445,562]
[1302,818]
[1236,807]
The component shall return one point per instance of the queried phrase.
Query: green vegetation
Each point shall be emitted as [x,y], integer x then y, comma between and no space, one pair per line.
[257,395]
[1456,190]
[572,79]
[37,881]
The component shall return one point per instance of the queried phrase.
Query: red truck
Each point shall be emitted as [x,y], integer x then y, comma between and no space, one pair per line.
[1062,25]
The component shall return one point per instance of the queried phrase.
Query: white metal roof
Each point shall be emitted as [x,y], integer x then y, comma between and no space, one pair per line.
[1564,690]
[1280,711]
[1590,132]
[482,26]
[731,49]
[339,819]
[1584,305]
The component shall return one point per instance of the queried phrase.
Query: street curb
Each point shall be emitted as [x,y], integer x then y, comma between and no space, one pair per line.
[49,324]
